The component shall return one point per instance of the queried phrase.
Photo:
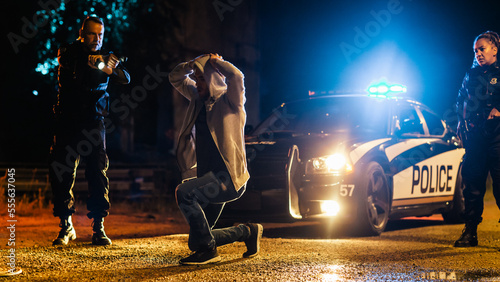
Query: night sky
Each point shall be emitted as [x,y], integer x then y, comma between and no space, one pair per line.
[303,45]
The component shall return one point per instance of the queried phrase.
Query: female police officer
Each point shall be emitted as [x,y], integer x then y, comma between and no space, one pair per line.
[478,106]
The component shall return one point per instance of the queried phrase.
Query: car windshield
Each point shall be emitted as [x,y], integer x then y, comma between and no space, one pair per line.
[328,115]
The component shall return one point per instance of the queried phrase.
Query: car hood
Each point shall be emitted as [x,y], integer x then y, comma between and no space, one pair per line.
[313,145]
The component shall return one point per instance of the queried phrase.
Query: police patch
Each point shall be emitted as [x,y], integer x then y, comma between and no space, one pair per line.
[493,81]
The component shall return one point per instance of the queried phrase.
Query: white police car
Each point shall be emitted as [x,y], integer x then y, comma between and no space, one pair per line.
[360,158]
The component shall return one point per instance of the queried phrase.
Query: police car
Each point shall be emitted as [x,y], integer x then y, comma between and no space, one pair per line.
[360,159]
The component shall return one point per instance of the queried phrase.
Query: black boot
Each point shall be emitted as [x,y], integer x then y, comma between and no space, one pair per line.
[67,232]
[99,237]
[468,237]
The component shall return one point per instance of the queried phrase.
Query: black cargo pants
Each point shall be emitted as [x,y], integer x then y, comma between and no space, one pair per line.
[482,156]
[72,143]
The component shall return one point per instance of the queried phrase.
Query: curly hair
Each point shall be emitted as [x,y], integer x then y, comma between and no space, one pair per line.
[492,36]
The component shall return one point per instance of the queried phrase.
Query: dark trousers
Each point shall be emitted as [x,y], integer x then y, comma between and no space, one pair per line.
[201,202]
[482,156]
[73,143]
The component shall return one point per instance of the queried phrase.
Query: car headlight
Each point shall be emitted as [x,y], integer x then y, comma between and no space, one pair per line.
[330,208]
[336,163]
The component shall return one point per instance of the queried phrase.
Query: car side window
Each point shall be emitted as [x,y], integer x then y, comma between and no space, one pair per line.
[434,123]
[409,122]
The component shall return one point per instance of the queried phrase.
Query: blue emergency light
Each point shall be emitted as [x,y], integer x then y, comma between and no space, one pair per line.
[383,90]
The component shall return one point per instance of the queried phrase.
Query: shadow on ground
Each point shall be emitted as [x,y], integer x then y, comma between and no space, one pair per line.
[326,230]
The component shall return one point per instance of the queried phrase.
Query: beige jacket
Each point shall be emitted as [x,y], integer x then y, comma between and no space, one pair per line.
[226,117]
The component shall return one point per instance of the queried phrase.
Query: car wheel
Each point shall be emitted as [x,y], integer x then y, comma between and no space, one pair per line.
[373,201]
[454,215]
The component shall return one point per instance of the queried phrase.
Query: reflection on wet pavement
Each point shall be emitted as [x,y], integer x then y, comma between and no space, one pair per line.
[380,273]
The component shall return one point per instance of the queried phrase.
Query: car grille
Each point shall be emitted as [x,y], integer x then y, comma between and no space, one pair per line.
[267,173]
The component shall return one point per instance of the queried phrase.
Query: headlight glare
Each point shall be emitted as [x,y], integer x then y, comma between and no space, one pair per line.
[330,208]
[335,163]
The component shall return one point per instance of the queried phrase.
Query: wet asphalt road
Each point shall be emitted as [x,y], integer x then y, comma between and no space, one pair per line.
[416,249]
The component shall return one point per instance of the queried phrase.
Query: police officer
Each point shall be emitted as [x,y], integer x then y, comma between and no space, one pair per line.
[80,132]
[478,106]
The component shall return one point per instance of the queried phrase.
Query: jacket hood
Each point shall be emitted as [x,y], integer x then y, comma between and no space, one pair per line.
[216,82]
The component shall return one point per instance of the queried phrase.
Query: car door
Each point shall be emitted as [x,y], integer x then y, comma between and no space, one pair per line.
[413,147]
[426,166]
[434,179]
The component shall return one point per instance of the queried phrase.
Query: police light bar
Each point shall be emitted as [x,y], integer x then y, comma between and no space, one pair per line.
[383,89]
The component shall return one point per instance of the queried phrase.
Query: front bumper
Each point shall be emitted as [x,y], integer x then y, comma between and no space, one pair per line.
[290,195]
[327,197]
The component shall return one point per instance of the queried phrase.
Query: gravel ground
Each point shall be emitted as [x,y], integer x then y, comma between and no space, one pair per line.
[147,247]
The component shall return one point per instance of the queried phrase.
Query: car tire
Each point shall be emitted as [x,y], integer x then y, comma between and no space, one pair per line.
[373,201]
[455,214]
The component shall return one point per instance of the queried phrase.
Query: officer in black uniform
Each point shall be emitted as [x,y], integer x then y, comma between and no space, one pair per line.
[478,106]
[80,132]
